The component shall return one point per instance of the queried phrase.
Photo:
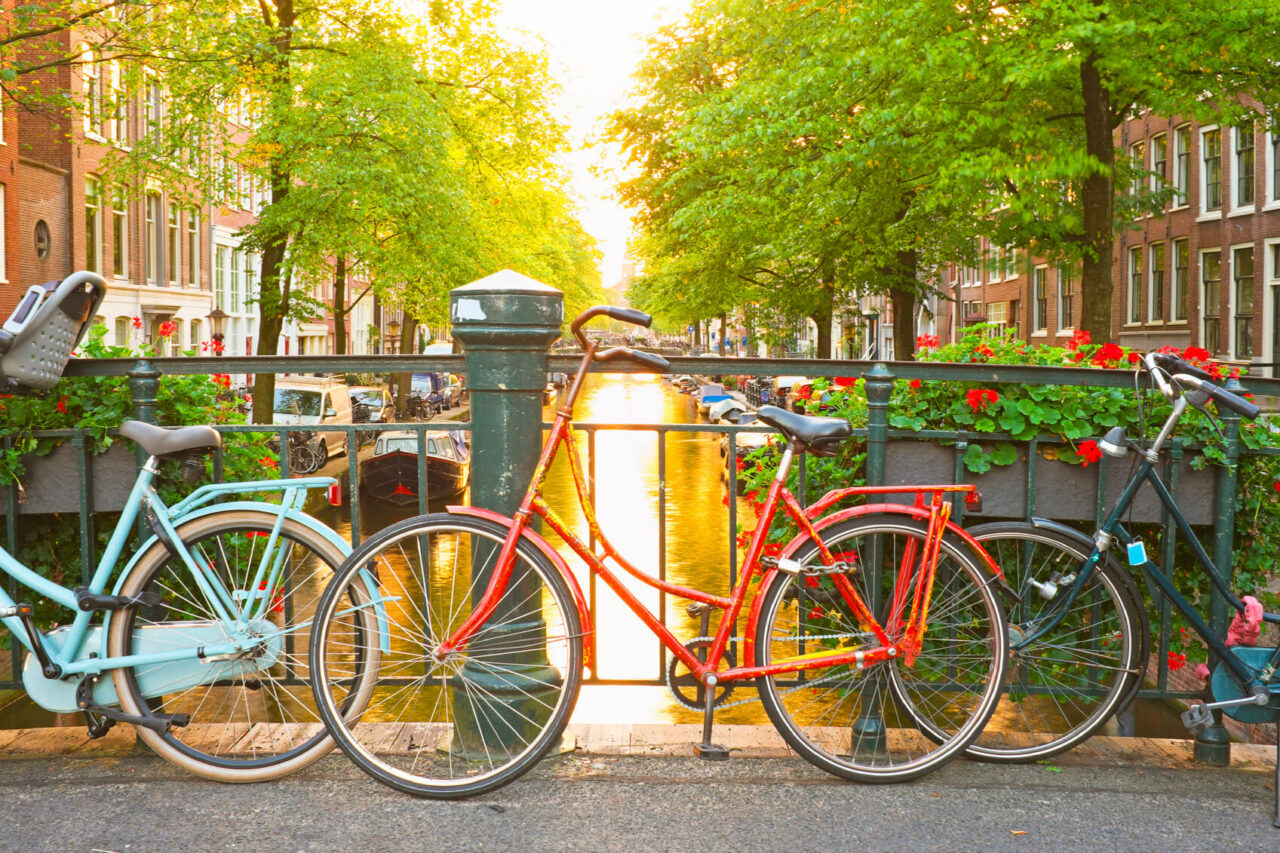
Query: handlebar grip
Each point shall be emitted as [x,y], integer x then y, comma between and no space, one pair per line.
[629,315]
[1235,403]
[648,359]
[1173,364]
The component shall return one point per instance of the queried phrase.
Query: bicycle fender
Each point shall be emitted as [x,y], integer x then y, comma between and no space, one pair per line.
[536,540]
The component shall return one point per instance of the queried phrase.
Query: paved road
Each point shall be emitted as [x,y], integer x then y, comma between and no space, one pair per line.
[136,802]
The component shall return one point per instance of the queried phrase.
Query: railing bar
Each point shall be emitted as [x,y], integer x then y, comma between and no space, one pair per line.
[662,542]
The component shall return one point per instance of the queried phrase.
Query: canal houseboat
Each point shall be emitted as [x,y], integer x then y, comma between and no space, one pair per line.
[390,475]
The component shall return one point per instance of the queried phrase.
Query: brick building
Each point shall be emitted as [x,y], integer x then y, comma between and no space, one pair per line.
[1205,272]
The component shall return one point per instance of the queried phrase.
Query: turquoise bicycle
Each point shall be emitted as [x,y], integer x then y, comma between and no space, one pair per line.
[201,641]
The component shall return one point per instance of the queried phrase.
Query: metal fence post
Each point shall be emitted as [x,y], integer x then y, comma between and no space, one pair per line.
[869,727]
[506,323]
[1213,745]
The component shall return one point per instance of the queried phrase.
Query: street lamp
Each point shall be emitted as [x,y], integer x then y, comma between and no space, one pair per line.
[218,320]
[871,315]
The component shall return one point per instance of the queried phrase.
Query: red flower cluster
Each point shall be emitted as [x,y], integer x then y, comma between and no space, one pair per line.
[137,322]
[914,384]
[927,342]
[980,398]
[804,392]
[1089,452]
[1079,339]
[166,329]
[1108,355]
[1177,661]
[816,613]
[268,462]
[846,381]
[222,379]
[982,352]
[62,405]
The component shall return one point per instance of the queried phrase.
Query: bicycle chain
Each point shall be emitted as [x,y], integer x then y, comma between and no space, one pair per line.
[756,697]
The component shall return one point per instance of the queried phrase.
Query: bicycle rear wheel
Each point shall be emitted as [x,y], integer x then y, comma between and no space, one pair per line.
[1065,685]
[484,714]
[865,723]
[251,718]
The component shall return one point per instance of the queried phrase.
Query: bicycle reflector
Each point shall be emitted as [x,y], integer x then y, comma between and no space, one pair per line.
[335,493]
[973,501]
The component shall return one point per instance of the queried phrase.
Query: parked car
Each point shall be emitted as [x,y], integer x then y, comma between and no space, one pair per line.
[372,404]
[452,390]
[322,401]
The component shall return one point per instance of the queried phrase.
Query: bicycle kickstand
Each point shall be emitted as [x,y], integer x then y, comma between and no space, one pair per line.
[707,750]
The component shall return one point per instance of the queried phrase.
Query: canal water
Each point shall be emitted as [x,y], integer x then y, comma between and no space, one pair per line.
[696,530]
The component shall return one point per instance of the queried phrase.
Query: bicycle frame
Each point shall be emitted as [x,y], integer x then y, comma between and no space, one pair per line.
[72,656]
[1112,532]
[901,637]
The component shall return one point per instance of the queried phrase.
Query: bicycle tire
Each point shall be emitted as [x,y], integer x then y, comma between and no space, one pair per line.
[254,722]
[1066,685]
[303,459]
[851,721]
[448,729]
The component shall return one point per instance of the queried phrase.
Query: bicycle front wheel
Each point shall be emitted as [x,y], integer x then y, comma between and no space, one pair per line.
[482,715]
[252,716]
[869,723]
[1066,684]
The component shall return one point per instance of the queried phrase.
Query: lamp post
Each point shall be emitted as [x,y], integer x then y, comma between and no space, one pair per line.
[871,315]
[218,320]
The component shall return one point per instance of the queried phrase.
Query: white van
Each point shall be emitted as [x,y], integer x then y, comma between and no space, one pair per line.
[307,400]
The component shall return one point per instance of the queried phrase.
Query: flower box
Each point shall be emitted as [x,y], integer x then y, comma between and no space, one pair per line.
[52,483]
[1063,492]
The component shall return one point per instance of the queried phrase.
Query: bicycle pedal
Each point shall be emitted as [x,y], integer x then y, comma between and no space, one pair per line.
[1197,718]
[711,752]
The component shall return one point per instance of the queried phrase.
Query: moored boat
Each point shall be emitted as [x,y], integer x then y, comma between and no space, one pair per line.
[391,473]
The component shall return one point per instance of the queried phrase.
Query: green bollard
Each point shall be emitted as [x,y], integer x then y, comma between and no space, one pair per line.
[506,323]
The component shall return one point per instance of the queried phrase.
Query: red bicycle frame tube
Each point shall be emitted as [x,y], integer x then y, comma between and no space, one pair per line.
[810,529]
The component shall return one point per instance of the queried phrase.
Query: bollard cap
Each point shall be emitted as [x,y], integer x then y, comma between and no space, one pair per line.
[506,299]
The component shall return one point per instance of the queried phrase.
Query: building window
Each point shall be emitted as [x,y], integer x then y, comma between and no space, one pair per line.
[117,127]
[151,239]
[1040,299]
[4,271]
[1242,290]
[237,295]
[1181,164]
[193,248]
[1067,277]
[993,263]
[1009,260]
[1211,173]
[152,111]
[1138,161]
[119,234]
[92,225]
[122,331]
[196,336]
[174,253]
[1155,294]
[1181,262]
[1210,289]
[1243,166]
[1159,161]
[1274,171]
[1134,314]
[93,112]
[220,289]
[998,314]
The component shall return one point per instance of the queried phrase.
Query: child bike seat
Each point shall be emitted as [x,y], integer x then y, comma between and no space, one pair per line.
[37,339]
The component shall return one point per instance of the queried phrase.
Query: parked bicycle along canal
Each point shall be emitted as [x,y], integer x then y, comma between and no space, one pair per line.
[696,522]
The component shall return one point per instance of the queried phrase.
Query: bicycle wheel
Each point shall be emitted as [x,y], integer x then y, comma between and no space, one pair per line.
[484,714]
[252,718]
[303,459]
[1065,685]
[863,723]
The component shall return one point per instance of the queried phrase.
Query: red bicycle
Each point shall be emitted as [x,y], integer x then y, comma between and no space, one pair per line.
[875,640]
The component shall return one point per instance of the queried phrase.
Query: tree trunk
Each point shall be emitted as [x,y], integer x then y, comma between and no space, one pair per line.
[724,332]
[408,331]
[339,306]
[1097,198]
[903,299]
[697,333]
[273,302]
[748,332]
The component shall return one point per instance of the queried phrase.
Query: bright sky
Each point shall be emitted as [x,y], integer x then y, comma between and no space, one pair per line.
[594,46]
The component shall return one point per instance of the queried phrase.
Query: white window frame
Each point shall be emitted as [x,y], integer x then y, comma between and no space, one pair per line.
[120,236]
[1134,275]
[91,74]
[998,316]
[1009,261]
[993,263]
[193,248]
[173,244]
[1180,173]
[1204,300]
[1174,302]
[1154,287]
[1207,212]
[93,230]
[1270,293]
[1238,206]
[1039,316]
[1138,160]
[1159,177]
[1232,307]
[1271,165]
[4,271]
[1073,277]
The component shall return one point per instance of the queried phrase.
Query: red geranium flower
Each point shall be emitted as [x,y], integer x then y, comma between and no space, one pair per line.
[846,381]
[1134,358]
[222,379]
[1196,354]
[980,398]
[1079,339]
[1108,355]
[1177,661]
[268,462]
[803,392]
[166,329]
[1089,452]
[62,405]
[137,322]
[982,352]
[915,384]
[927,342]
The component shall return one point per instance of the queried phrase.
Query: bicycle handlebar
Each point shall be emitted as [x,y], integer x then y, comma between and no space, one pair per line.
[625,315]
[648,359]
[1160,364]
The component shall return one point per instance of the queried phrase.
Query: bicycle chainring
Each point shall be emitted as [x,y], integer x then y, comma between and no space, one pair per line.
[687,689]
